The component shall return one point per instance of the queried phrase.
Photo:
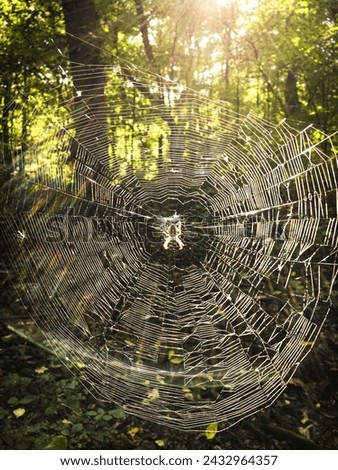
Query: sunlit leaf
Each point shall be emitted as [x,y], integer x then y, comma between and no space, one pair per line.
[66,421]
[133,431]
[305,418]
[79,365]
[41,370]
[19,412]
[160,379]
[173,358]
[57,443]
[188,396]
[211,430]
[153,394]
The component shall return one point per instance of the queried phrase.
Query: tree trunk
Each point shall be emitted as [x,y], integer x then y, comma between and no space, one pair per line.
[143,20]
[24,126]
[293,105]
[7,155]
[82,28]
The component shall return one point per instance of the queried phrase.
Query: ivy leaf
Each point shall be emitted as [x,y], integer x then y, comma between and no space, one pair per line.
[118,413]
[211,430]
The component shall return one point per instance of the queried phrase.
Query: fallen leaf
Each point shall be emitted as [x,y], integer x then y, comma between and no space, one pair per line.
[133,431]
[160,442]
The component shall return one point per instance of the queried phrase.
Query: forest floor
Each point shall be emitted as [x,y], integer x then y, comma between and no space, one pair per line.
[41,400]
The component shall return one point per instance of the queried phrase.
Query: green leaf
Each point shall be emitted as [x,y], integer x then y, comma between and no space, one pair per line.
[13,401]
[78,427]
[27,399]
[57,443]
[211,430]
[118,413]
[107,417]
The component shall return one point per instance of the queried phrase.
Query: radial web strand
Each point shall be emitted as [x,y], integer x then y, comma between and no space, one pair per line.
[183,255]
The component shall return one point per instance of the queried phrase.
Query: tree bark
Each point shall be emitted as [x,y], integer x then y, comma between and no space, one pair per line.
[7,155]
[143,20]
[293,105]
[82,28]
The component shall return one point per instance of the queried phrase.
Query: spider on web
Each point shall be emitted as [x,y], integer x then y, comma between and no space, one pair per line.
[173,232]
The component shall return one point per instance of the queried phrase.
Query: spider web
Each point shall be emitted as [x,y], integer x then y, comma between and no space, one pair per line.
[185,337]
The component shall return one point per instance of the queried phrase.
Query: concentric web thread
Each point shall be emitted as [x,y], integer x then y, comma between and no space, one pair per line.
[181,255]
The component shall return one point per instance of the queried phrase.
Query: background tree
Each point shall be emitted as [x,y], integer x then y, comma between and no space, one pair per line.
[84,47]
[276,58]
[27,74]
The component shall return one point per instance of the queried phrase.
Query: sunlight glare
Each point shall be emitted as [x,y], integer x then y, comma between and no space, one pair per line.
[244,5]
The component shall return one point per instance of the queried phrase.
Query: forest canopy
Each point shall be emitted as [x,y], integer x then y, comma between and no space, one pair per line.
[276,58]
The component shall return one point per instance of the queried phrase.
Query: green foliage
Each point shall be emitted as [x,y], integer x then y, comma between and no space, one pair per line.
[59,412]
[289,50]
[29,58]
[276,60]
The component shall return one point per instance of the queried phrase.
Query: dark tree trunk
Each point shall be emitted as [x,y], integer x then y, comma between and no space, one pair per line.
[293,105]
[82,28]
[24,126]
[7,155]
[143,20]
